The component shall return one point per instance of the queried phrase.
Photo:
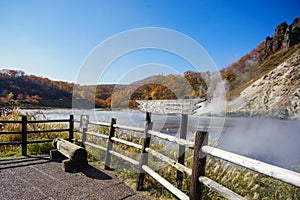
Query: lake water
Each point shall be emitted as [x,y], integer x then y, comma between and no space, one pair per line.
[269,140]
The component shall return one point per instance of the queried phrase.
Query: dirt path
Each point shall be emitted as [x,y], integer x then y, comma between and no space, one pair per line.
[39,178]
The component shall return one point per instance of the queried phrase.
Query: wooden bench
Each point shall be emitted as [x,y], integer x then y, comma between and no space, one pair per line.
[76,155]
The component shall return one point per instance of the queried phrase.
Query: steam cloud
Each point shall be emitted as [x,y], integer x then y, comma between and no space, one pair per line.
[269,140]
[216,93]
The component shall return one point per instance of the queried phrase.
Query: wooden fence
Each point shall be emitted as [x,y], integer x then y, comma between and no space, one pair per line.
[199,145]
[197,173]
[24,131]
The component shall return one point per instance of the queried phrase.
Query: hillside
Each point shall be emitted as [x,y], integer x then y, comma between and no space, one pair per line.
[266,80]
[265,57]
[18,88]
[276,94]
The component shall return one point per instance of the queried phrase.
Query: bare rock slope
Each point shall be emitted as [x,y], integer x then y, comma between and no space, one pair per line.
[277,94]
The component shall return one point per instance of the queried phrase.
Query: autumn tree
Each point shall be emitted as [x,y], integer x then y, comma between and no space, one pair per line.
[20,96]
[10,96]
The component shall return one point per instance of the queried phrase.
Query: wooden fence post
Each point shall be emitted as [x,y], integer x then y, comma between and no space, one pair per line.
[71,126]
[196,190]
[84,130]
[84,124]
[181,151]
[24,135]
[144,154]
[110,143]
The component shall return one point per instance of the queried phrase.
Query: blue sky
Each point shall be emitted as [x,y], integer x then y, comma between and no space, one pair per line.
[53,38]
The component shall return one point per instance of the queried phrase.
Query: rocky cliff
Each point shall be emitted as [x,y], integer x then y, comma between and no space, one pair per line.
[276,94]
[270,53]
[285,36]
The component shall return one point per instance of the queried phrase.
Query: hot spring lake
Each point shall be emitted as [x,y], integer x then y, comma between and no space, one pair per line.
[268,140]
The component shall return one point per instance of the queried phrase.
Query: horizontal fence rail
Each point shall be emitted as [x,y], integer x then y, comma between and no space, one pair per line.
[170,161]
[131,144]
[225,192]
[97,135]
[178,193]
[130,128]
[99,123]
[284,175]
[38,141]
[173,139]
[11,143]
[48,121]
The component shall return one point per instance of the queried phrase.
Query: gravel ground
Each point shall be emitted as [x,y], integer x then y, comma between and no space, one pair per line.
[37,177]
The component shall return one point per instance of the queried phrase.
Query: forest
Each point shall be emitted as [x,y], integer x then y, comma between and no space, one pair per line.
[19,89]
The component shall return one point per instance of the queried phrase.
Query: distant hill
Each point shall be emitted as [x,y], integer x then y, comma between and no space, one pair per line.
[148,79]
[190,84]
[19,88]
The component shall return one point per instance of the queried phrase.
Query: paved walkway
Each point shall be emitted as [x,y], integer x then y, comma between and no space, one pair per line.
[39,178]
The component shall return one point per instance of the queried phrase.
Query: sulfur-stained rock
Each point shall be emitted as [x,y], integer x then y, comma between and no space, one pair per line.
[276,94]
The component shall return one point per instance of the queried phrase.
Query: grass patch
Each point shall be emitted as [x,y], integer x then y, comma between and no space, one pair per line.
[39,148]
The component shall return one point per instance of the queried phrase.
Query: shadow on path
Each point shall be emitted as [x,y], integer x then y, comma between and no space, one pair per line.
[94,173]
[22,162]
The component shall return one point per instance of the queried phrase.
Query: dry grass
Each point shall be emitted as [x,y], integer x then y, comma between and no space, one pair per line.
[38,148]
